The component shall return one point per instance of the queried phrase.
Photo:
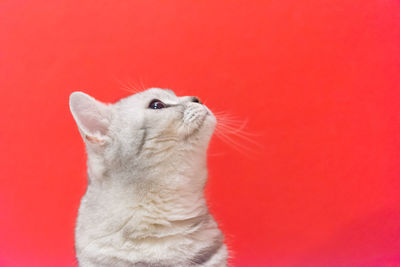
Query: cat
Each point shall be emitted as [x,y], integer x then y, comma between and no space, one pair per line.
[144,204]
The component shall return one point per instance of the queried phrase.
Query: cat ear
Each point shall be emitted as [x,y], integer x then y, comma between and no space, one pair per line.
[92,117]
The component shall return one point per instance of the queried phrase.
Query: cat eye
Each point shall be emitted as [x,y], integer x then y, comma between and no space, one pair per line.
[157,104]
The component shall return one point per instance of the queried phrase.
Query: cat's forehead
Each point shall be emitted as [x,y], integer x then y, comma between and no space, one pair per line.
[157,92]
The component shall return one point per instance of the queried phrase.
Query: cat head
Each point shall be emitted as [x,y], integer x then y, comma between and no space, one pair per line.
[144,131]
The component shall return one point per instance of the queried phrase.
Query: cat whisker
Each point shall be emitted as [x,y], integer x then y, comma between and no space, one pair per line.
[230,140]
[236,146]
[233,132]
[134,86]
[142,84]
[239,133]
[130,86]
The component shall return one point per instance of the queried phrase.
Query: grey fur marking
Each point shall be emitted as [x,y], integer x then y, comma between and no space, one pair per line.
[206,254]
[146,264]
[140,147]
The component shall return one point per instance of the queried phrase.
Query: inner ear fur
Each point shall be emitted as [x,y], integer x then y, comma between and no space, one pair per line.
[91,116]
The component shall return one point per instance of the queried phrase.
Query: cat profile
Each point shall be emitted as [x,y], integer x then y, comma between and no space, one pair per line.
[144,204]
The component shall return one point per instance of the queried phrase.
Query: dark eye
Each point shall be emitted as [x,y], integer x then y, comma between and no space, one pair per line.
[156,104]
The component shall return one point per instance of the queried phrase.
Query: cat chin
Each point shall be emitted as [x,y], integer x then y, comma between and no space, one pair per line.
[201,130]
[209,124]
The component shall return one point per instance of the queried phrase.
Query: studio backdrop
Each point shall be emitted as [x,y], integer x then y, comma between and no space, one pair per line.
[311,177]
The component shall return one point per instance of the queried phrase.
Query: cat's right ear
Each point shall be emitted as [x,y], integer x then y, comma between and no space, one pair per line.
[92,117]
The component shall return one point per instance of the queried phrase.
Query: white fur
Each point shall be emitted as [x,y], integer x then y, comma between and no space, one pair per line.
[144,204]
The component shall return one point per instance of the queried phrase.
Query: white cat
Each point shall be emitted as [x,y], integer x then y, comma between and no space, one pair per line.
[144,205]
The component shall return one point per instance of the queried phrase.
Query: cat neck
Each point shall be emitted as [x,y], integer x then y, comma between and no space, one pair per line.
[176,181]
[148,203]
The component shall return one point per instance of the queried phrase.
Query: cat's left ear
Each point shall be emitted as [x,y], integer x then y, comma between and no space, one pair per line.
[92,117]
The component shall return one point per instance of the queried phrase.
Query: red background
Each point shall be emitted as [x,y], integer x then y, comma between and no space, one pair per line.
[318,81]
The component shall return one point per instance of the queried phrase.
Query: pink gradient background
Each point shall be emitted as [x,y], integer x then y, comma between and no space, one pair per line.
[319,82]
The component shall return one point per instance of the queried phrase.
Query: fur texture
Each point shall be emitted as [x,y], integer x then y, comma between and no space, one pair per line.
[144,205]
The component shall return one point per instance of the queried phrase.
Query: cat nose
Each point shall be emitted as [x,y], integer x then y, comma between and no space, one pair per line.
[196,100]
